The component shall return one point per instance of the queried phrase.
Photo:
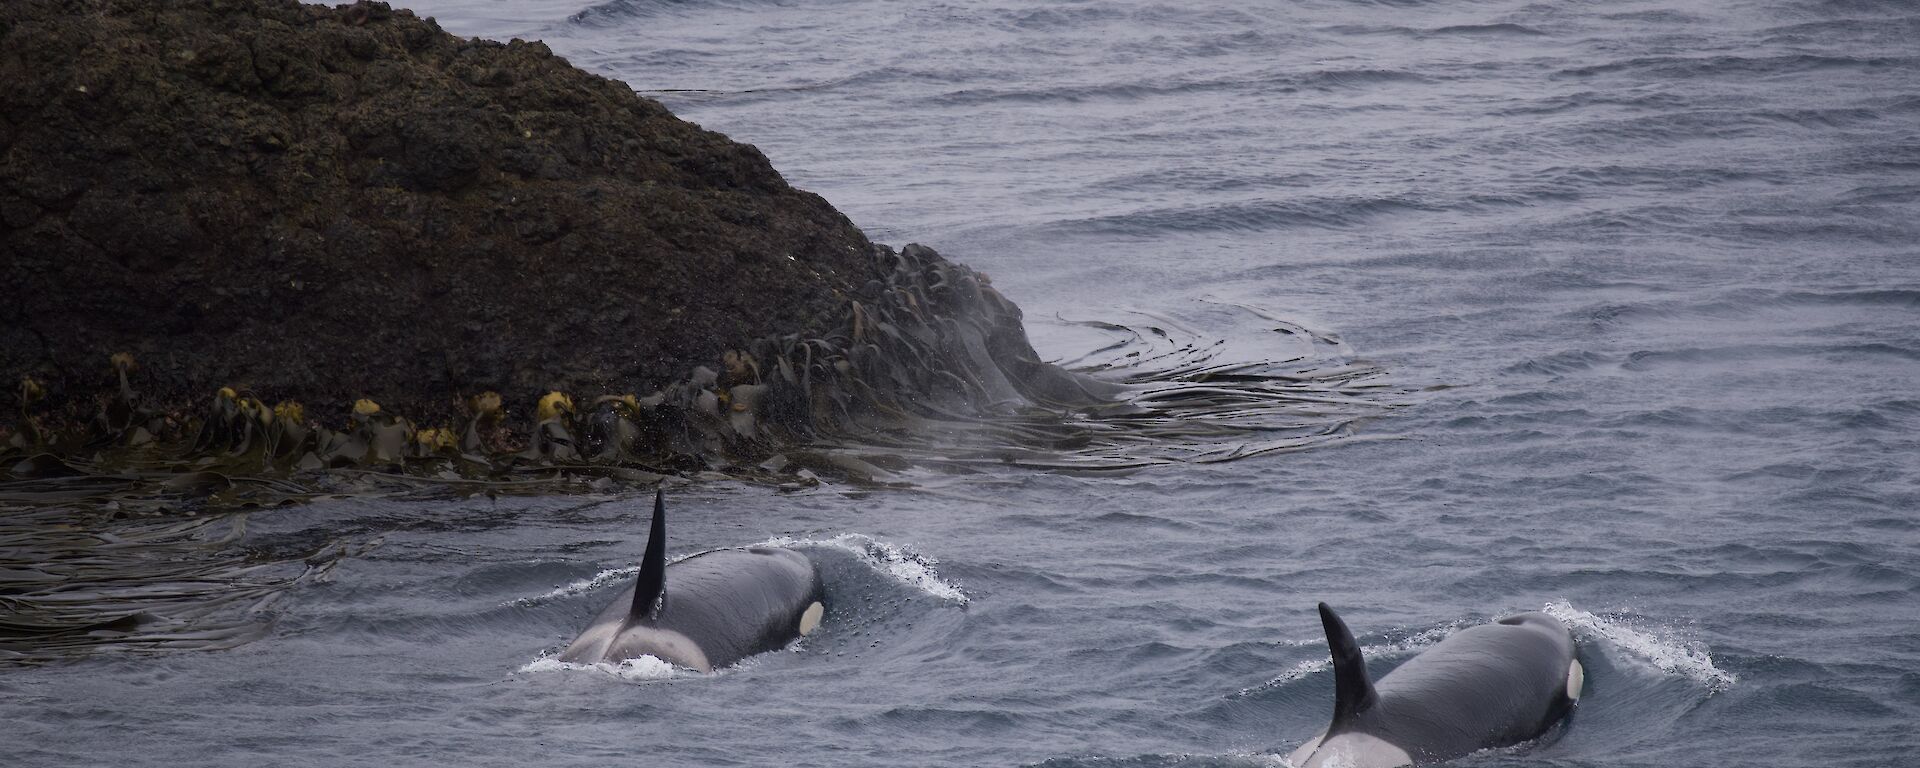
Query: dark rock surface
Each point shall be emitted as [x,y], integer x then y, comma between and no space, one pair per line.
[325,204]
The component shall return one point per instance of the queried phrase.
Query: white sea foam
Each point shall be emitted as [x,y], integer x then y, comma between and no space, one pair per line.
[642,668]
[1259,759]
[901,562]
[1406,646]
[1674,657]
[591,583]
[1689,660]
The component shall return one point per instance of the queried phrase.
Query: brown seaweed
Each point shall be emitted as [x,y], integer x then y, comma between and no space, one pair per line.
[940,373]
[110,536]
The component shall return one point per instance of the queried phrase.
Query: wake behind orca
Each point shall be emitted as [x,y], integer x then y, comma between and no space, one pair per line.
[707,611]
[1493,685]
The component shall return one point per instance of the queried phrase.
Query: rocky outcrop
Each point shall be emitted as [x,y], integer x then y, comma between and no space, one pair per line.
[352,214]
[336,203]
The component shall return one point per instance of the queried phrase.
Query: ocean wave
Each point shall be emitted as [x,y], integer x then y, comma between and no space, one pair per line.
[1690,660]
[1855,7]
[1052,91]
[137,577]
[589,584]
[1394,649]
[1644,360]
[616,12]
[1748,304]
[900,562]
[1254,216]
[1081,92]
[1659,18]
[636,669]
[1692,125]
[1558,363]
[1591,99]
[1902,298]
[1883,194]
[1063,17]
[1662,177]
[1683,67]
[1889,31]
[1173,760]
[1492,29]
[1207,180]
[1487,29]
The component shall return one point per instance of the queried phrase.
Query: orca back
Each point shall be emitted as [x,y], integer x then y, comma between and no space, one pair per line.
[738,602]
[707,611]
[1485,686]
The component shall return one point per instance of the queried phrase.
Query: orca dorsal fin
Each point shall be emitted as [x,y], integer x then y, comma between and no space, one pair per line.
[653,564]
[1352,691]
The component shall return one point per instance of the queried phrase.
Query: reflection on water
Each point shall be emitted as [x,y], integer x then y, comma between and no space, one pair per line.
[85,579]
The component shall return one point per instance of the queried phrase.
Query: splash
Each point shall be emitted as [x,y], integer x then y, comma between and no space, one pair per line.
[581,586]
[1392,650]
[589,584]
[1689,660]
[1233,759]
[900,562]
[636,669]
[644,667]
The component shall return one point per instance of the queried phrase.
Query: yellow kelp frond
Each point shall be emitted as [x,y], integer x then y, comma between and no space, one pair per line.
[552,405]
[436,439]
[365,407]
[290,410]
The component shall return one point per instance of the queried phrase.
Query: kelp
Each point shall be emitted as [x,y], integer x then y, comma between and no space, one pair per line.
[109,535]
[938,372]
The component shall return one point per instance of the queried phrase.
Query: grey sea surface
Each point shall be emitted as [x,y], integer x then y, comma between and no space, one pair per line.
[1647,271]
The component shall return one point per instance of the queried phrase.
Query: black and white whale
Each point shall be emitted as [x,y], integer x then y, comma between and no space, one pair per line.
[706,611]
[1492,685]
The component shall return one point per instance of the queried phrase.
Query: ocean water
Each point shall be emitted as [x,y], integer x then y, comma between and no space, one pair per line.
[1647,273]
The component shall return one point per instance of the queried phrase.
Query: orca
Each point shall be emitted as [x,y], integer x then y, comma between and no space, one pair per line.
[1491,685]
[706,611]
